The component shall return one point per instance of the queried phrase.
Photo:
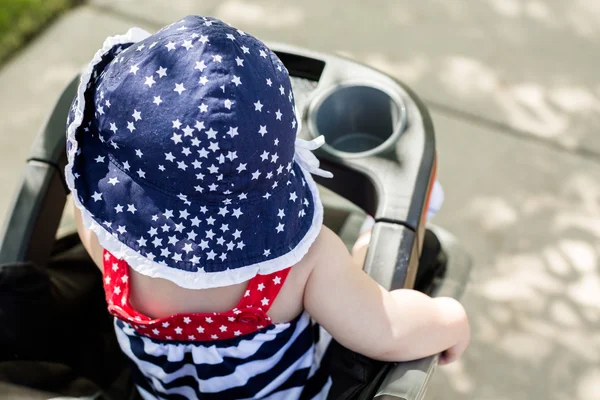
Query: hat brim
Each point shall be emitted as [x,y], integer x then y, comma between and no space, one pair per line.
[127,234]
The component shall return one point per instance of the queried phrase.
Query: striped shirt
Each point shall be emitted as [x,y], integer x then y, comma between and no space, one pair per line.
[274,361]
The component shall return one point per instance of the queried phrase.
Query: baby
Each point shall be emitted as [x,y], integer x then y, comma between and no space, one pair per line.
[195,199]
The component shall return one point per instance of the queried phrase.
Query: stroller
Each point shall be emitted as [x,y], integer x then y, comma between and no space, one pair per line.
[56,336]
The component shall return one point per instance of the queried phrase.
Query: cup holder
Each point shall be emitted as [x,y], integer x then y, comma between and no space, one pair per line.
[357,120]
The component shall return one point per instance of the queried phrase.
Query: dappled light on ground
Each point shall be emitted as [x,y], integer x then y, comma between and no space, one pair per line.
[534,300]
[523,63]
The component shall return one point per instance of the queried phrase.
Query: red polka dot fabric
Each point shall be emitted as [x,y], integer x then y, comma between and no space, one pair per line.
[249,316]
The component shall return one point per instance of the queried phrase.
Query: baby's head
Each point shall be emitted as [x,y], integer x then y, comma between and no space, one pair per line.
[182,155]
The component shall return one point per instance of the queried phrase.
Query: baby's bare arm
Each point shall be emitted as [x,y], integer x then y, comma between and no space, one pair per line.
[400,325]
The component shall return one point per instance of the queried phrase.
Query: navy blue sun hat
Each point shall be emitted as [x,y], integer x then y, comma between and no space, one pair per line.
[183,156]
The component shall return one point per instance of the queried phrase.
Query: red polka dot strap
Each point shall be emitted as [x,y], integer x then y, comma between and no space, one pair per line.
[249,316]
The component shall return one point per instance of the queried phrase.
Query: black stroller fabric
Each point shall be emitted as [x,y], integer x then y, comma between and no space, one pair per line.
[55,333]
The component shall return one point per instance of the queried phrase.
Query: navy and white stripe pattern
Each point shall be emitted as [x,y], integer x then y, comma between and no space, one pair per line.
[278,362]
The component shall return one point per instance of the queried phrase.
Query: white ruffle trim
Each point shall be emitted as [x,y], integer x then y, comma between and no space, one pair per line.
[184,279]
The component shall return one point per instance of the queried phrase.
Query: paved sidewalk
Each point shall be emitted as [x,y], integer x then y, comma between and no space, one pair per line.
[514,92]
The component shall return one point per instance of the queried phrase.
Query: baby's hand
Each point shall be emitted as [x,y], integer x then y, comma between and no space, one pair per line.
[453,353]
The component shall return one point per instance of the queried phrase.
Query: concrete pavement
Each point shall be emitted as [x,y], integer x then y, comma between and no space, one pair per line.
[514,94]
[524,64]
